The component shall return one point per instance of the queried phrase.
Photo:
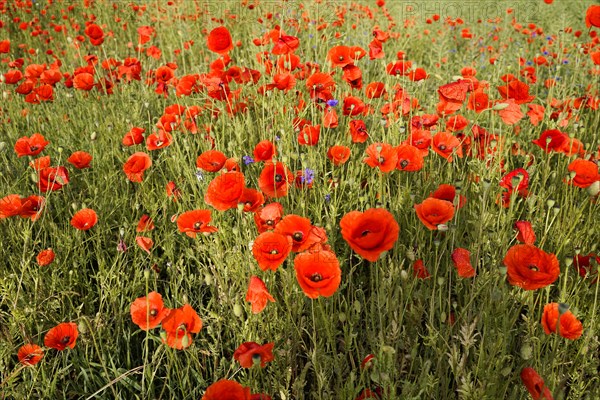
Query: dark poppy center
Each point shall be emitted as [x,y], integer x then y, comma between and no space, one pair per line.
[274,251]
[256,358]
[404,163]
[341,58]
[153,312]
[381,160]
[197,225]
[33,148]
[182,327]
[269,222]
[65,339]
[442,147]
[316,277]
[533,267]
[298,236]
[278,178]
[248,204]
[159,142]
[365,233]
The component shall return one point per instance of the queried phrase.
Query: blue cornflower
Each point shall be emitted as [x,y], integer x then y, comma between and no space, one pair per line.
[332,102]
[307,176]
[247,160]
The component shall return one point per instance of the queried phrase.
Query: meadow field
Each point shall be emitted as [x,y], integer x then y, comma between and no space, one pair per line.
[252,199]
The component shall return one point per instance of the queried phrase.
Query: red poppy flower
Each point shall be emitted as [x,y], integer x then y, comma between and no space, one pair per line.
[84,219]
[318,273]
[285,44]
[252,199]
[225,190]
[30,354]
[516,90]
[264,151]
[552,140]
[52,178]
[381,155]
[30,146]
[338,155]
[592,16]
[158,140]
[10,206]
[136,165]
[370,233]
[134,136]
[270,249]
[80,159]
[267,217]
[148,312]
[526,234]
[410,158]
[586,173]
[433,212]
[445,144]
[358,131]
[420,270]
[421,139]
[173,191]
[195,221]
[570,327]
[45,257]
[62,336]
[211,160]
[145,224]
[40,163]
[461,258]
[249,353]
[275,179]
[179,325]
[83,81]
[95,34]
[227,390]
[258,295]
[530,267]
[339,56]
[535,384]
[145,243]
[448,193]
[303,234]
[219,40]
[309,135]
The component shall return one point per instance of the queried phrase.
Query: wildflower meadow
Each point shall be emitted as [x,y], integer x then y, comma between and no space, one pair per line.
[321,199]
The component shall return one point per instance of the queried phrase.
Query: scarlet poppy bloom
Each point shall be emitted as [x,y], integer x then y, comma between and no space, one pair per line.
[445,144]
[338,155]
[95,34]
[31,207]
[62,336]
[461,258]
[535,384]
[267,217]
[421,139]
[433,212]
[592,16]
[80,159]
[158,140]
[358,131]
[249,353]
[219,40]
[147,312]
[339,56]
[448,193]
[136,165]
[309,135]
[30,146]
[84,219]
[179,325]
[552,140]
[301,231]
[195,221]
[227,390]
[381,155]
[145,224]
[51,179]
[83,81]
[318,273]
[10,206]
[45,257]
[370,233]
[145,243]
[285,44]
[173,191]
[586,172]
[275,179]
[40,163]
[375,90]
[526,234]
[530,267]
[225,190]
[211,160]
[251,199]
[258,295]
[270,249]
[570,327]
[134,136]
[264,151]
[410,158]
[30,354]
[516,90]
[420,270]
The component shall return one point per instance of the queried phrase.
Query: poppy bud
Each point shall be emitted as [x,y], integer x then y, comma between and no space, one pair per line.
[556,210]
[2,146]
[93,136]
[185,299]
[82,327]
[594,189]
[34,177]
[568,261]
[526,351]
[208,279]
[237,310]
[440,281]
[357,306]
[403,275]
[146,274]
[562,308]
[550,203]
[500,106]
[342,317]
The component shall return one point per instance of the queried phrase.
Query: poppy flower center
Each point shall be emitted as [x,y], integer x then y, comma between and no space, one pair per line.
[197,225]
[404,163]
[269,222]
[298,236]
[533,267]
[33,148]
[316,277]
[153,312]
[381,160]
[442,147]
[65,339]
[159,142]
[274,251]
[365,233]
[182,327]
[278,178]
[256,358]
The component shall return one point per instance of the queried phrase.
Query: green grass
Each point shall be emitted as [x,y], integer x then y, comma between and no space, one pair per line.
[379,308]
